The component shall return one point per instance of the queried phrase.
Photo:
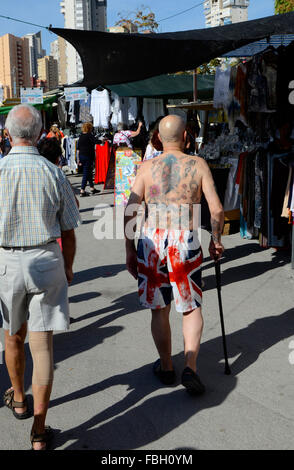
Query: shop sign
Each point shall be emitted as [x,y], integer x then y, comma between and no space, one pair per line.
[75,93]
[31,95]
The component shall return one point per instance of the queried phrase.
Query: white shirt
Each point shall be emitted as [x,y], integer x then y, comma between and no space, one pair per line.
[100,108]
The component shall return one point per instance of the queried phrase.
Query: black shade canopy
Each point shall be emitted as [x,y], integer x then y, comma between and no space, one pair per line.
[115,58]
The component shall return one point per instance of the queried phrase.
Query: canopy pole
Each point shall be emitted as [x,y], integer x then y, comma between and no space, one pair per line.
[44,118]
[195,88]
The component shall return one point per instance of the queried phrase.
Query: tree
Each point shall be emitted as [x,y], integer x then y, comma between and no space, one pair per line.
[140,20]
[210,67]
[284,6]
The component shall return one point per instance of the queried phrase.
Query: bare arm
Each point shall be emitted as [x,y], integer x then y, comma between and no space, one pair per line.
[137,132]
[216,212]
[130,217]
[68,250]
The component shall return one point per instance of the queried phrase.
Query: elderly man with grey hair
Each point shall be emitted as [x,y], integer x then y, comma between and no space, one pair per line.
[37,206]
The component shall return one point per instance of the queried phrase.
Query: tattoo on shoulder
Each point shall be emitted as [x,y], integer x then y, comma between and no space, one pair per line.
[190,169]
[166,173]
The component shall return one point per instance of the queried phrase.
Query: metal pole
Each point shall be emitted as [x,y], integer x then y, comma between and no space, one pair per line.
[195,87]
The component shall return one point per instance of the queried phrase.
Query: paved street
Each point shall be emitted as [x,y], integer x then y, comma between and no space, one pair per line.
[105,395]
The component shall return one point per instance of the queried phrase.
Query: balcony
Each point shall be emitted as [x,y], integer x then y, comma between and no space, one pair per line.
[236,3]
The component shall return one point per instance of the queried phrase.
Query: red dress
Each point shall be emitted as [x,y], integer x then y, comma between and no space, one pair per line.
[102,162]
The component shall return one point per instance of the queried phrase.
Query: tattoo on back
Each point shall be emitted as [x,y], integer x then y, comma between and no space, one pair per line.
[174,180]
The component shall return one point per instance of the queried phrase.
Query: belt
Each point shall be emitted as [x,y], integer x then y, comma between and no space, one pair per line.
[26,247]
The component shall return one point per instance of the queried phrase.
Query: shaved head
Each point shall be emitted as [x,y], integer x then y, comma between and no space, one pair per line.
[171,129]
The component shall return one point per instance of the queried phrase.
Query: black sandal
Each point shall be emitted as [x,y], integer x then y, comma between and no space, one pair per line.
[192,382]
[167,377]
[94,191]
[8,400]
[44,437]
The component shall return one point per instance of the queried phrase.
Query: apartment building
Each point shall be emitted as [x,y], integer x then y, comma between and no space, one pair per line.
[14,65]
[58,52]
[85,15]
[48,72]
[223,12]
[36,52]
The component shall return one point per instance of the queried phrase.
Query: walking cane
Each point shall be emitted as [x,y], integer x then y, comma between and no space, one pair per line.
[218,285]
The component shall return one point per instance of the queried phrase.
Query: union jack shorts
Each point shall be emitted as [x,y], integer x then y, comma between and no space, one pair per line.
[169,266]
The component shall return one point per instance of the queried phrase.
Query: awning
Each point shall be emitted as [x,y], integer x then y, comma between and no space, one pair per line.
[167,85]
[47,104]
[114,58]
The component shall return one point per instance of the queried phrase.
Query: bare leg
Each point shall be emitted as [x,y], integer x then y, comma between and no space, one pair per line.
[15,363]
[192,331]
[41,394]
[41,345]
[161,333]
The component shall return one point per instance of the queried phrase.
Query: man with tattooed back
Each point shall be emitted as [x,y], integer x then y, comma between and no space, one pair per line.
[168,258]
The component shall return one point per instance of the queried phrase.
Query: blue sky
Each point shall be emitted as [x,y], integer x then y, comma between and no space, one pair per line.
[45,12]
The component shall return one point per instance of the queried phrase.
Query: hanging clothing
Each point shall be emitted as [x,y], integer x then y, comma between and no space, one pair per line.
[152,109]
[133,111]
[103,153]
[269,67]
[70,155]
[100,108]
[232,106]
[120,110]
[71,114]
[61,112]
[232,198]
[85,110]
[240,92]
[221,87]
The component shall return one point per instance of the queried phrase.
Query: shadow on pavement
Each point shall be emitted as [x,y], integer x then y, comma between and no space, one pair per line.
[87,209]
[246,271]
[97,272]
[83,297]
[125,305]
[131,424]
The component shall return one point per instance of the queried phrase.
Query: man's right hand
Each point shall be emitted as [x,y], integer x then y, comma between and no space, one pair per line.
[69,275]
[131,262]
[216,250]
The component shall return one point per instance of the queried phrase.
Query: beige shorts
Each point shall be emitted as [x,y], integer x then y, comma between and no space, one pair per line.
[33,289]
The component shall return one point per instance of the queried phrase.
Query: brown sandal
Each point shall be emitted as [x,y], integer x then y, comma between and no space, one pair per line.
[44,437]
[8,399]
